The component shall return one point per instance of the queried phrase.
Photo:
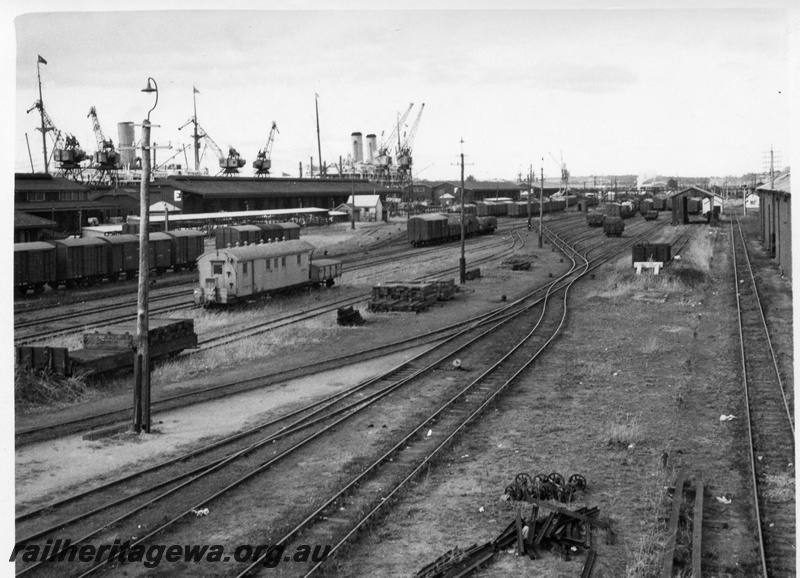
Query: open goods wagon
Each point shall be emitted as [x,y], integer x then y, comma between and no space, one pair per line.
[232,274]
[71,262]
[111,348]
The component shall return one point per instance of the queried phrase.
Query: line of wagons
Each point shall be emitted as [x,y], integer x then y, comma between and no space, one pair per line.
[88,260]
[435,228]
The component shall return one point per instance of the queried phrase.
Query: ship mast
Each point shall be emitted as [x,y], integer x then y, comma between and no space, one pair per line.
[319,146]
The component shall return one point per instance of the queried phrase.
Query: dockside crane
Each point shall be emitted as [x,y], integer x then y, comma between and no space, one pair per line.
[67,150]
[230,164]
[564,184]
[106,161]
[384,159]
[404,158]
[263,162]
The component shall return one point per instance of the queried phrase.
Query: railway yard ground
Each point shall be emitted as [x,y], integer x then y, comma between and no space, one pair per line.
[641,382]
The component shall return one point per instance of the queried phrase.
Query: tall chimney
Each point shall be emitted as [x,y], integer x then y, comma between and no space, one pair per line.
[358,148]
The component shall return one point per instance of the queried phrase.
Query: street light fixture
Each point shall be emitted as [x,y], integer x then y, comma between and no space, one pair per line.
[141,388]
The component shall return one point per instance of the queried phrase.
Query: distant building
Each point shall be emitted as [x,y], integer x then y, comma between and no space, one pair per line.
[30,228]
[479,191]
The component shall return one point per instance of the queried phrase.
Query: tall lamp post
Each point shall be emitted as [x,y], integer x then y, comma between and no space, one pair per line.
[462,262]
[141,388]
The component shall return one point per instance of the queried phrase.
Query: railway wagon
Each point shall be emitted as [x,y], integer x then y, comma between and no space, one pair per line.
[291,231]
[595,218]
[613,226]
[659,203]
[80,261]
[235,273]
[487,225]
[270,232]
[34,266]
[160,252]
[427,229]
[646,205]
[325,271]
[237,236]
[123,256]
[518,209]
[187,246]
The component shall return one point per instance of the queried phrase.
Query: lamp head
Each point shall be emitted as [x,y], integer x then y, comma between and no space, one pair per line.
[150,87]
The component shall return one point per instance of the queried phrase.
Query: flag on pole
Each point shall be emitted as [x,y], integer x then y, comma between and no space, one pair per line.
[42,60]
[195,90]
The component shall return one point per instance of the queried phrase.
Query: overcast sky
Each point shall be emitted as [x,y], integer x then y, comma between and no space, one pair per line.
[673,91]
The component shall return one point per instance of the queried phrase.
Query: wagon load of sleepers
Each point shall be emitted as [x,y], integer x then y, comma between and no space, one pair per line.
[403,296]
[111,348]
[595,218]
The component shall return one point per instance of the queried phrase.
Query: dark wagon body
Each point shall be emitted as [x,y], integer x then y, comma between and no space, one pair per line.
[237,236]
[187,246]
[80,260]
[34,266]
[160,252]
[123,256]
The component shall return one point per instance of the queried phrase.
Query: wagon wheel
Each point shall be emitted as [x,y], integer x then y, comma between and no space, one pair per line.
[176,269]
[22,290]
[38,288]
[113,277]
[556,478]
[542,487]
[329,283]
[513,492]
[577,481]
[564,493]
[523,481]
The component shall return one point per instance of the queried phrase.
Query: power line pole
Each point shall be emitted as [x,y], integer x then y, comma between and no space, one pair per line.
[541,206]
[530,194]
[462,263]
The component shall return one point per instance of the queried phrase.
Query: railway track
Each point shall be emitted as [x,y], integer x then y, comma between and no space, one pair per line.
[770,422]
[62,427]
[470,397]
[126,311]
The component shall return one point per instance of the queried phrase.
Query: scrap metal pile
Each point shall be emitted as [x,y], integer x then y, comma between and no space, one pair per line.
[565,533]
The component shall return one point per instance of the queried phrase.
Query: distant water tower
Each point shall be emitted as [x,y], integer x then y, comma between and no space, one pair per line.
[126,140]
[358,147]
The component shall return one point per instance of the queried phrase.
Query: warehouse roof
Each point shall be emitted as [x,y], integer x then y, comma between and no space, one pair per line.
[24,182]
[487,185]
[26,221]
[782,184]
[249,187]
[692,189]
[364,201]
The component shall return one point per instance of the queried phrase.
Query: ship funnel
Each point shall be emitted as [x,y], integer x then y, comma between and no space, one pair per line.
[372,147]
[126,140]
[358,147]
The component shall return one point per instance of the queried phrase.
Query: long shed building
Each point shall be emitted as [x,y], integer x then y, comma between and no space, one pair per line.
[775,202]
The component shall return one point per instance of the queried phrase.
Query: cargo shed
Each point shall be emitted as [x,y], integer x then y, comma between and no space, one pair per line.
[775,200]
[681,202]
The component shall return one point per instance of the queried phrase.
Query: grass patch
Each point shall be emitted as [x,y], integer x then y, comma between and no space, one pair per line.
[33,388]
[626,429]
[781,488]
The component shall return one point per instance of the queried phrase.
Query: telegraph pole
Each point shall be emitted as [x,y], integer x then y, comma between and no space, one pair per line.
[530,194]
[462,264]
[541,206]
